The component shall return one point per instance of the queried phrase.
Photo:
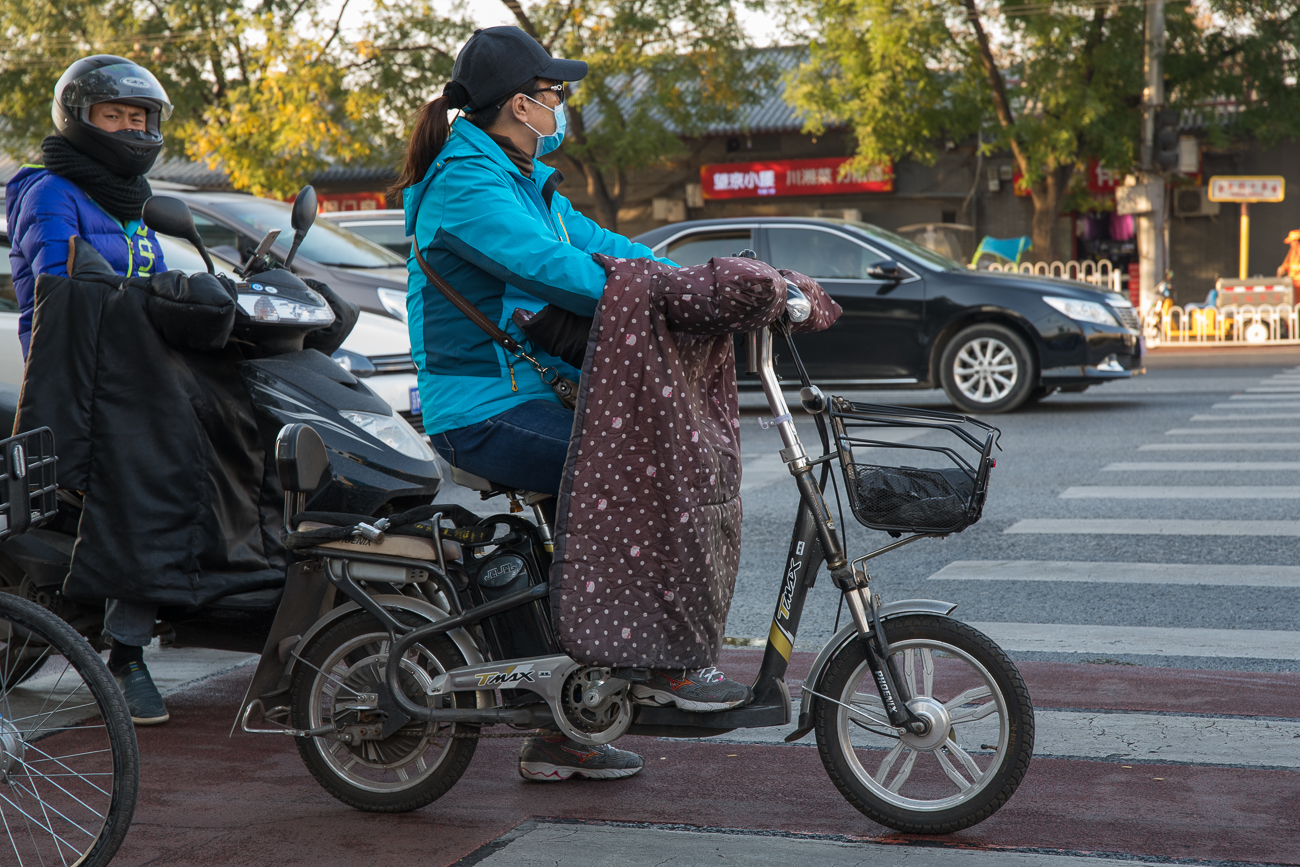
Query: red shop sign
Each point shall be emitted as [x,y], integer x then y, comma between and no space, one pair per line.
[791,178]
[1102,179]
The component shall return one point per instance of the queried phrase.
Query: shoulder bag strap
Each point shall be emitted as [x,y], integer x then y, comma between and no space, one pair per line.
[564,388]
[464,306]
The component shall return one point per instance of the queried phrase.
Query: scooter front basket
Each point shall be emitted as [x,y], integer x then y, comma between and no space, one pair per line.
[945,495]
[28,486]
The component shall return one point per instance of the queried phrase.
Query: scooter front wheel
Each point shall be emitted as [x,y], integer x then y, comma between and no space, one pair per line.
[337,682]
[980,741]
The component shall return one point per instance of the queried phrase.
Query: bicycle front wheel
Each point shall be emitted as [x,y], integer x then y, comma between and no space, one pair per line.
[69,765]
[966,766]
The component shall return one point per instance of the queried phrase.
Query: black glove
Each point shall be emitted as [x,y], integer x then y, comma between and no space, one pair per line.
[331,337]
[194,312]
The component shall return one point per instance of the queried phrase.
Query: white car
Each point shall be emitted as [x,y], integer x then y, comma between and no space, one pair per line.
[378,350]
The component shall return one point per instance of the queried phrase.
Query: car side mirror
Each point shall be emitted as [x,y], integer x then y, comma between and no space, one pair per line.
[887,270]
[304,214]
[168,215]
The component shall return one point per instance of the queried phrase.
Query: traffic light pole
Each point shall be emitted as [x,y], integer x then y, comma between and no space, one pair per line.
[1151,225]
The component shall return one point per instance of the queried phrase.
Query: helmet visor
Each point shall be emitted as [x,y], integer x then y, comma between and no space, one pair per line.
[119,82]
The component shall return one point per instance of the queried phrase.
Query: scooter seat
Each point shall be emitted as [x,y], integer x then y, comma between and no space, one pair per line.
[478,483]
[392,545]
[471,481]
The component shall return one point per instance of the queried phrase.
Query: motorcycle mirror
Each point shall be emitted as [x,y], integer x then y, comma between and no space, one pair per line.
[886,269]
[304,214]
[167,215]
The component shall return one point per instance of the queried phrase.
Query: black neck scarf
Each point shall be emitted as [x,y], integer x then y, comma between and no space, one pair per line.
[122,196]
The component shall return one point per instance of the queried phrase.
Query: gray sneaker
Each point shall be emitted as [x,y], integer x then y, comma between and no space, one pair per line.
[555,758]
[142,697]
[704,690]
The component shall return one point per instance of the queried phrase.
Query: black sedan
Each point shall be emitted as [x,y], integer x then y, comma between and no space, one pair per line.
[363,272]
[916,319]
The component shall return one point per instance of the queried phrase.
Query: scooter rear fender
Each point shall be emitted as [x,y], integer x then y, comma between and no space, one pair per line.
[901,608]
[306,611]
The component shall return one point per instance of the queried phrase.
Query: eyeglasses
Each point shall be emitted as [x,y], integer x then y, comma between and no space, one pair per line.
[557,89]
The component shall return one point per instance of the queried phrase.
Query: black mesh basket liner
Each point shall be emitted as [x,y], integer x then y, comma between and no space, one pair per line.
[908,497]
[28,486]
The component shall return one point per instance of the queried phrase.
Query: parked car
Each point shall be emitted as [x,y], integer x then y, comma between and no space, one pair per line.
[360,270]
[916,319]
[385,227]
[378,349]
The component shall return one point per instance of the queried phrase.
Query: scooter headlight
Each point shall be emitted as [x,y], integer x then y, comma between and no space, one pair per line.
[264,308]
[392,431]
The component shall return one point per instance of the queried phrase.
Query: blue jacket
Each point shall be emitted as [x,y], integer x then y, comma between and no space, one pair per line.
[488,231]
[43,211]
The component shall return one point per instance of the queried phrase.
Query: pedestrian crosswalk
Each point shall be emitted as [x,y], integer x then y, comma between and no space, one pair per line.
[1253,424]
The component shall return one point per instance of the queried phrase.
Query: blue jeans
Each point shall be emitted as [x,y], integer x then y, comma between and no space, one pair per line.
[130,622]
[523,448]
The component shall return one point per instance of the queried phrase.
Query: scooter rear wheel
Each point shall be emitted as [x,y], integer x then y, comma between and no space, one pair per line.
[336,682]
[979,746]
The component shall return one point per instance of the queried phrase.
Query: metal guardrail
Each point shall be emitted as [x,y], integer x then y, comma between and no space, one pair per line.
[1096,273]
[1231,325]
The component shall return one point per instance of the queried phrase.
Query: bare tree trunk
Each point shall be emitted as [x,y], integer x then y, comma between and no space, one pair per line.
[1047,195]
[604,202]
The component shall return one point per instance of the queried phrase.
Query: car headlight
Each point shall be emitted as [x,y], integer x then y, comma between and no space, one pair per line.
[1083,311]
[393,431]
[394,301]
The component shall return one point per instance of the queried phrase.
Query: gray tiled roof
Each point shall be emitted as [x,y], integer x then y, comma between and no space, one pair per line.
[771,114]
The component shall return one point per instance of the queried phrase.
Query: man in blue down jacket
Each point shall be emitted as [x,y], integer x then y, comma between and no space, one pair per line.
[107,111]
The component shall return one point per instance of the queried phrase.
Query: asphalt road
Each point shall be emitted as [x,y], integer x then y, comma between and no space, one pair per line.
[1152,610]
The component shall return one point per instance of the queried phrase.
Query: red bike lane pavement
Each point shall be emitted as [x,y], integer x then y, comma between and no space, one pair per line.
[209,800]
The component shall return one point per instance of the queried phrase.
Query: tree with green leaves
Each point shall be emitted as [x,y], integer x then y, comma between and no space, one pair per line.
[660,70]
[269,90]
[1055,83]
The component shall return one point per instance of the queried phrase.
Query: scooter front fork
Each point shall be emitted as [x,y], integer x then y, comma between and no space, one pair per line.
[884,668]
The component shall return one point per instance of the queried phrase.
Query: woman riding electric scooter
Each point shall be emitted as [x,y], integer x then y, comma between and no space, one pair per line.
[487,218]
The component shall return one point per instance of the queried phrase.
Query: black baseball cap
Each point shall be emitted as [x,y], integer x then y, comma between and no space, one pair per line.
[496,61]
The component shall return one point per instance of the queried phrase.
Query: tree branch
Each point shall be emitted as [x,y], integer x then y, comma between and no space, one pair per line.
[522,17]
[1000,102]
[338,22]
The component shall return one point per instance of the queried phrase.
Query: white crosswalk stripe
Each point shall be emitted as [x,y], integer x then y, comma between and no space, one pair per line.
[1154,527]
[1224,431]
[1218,575]
[1181,492]
[1219,447]
[1200,466]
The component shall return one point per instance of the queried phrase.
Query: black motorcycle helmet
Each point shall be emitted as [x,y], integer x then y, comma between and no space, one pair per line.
[107,78]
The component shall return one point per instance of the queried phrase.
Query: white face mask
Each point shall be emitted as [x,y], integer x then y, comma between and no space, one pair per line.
[548,143]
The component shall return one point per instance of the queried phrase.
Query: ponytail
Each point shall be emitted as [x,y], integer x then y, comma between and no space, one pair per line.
[432,128]
[427,139]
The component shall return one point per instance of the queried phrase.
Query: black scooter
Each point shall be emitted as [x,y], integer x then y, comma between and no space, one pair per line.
[378,463]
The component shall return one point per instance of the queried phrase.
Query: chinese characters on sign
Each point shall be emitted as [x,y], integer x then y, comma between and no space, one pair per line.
[1247,188]
[763,183]
[791,178]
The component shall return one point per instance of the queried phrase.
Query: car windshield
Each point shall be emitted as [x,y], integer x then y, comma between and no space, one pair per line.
[178,255]
[325,244]
[925,255]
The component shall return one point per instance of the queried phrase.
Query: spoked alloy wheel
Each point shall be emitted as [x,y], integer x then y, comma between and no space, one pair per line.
[337,682]
[69,765]
[979,745]
[987,368]
[986,371]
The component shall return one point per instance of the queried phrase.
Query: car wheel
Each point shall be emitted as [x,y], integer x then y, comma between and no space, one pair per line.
[987,369]
[1041,392]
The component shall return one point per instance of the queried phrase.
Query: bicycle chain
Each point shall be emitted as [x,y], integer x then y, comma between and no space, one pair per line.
[490,735]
